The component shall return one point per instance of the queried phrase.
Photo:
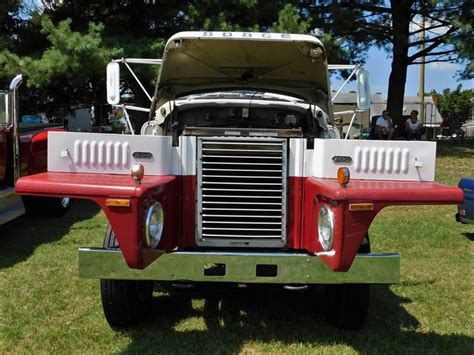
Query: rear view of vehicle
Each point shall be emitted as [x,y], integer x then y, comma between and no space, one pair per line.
[466,209]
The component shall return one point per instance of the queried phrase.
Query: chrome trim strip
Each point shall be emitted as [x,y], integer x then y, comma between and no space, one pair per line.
[14,119]
[240,267]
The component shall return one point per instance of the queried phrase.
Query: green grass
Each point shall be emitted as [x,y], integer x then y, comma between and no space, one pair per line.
[45,307]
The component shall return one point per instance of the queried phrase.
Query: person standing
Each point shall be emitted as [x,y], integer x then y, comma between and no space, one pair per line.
[413,126]
[384,126]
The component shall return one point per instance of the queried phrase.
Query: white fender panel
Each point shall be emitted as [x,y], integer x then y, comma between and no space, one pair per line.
[116,153]
[374,160]
[371,160]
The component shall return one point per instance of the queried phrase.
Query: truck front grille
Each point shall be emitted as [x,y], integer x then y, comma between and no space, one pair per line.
[241,192]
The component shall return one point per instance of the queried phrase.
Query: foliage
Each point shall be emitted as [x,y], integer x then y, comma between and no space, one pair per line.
[7,22]
[457,101]
[447,26]
[70,70]
[73,41]
[140,29]
[289,21]
[396,27]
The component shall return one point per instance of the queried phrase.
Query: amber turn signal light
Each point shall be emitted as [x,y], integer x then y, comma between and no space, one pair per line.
[343,176]
[355,207]
[117,202]
[138,172]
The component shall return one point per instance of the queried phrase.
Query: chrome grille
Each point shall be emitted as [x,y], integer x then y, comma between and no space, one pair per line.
[241,192]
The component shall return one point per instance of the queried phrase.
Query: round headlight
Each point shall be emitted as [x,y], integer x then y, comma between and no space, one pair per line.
[155,219]
[326,227]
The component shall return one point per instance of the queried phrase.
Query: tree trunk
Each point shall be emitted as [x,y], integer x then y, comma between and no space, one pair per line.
[401,15]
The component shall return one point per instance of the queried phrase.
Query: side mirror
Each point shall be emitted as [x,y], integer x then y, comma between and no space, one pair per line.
[113,83]
[4,109]
[363,89]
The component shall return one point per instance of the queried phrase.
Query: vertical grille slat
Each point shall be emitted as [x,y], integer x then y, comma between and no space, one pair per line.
[241,192]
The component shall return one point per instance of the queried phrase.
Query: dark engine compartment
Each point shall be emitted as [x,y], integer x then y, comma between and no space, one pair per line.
[242,116]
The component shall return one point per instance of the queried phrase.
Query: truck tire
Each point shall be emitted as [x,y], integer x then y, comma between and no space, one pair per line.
[348,304]
[125,302]
[47,206]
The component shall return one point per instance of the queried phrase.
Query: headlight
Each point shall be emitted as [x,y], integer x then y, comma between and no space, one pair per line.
[326,227]
[155,219]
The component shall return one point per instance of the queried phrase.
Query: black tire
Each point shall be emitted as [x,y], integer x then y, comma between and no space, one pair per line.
[47,206]
[125,302]
[348,304]
[365,245]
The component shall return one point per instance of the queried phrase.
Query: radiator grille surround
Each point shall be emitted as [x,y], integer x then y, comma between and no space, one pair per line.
[241,194]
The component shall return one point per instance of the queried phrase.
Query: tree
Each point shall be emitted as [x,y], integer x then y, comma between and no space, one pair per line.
[69,72]
[140,28]
[292,20]
[74,40]
[395,26]
[8,22]
[456,101]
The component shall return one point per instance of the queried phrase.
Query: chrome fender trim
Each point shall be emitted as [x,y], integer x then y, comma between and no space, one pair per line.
[271,268]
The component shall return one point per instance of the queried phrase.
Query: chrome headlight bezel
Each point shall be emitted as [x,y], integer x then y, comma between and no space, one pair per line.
[154,223]
[326,227]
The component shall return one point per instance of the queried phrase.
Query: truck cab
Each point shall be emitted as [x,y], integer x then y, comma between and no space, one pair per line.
[238,177]
[23,151]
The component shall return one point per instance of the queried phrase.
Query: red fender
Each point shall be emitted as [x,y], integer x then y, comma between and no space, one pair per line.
[351,226]
[128,223]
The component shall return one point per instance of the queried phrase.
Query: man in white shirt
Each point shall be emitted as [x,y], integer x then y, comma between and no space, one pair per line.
[384,126]
[413,126]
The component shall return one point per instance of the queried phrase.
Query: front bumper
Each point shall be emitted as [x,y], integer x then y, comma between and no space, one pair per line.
[271,268]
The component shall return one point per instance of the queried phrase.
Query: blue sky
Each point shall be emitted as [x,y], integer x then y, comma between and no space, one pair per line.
[438,76]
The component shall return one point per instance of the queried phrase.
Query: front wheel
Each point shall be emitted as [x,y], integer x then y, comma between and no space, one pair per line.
[348,304]
[125,302]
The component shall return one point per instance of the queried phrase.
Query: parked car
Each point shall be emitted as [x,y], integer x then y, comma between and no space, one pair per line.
[466,209]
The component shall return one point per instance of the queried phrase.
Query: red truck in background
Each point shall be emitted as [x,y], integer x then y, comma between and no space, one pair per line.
[23,151]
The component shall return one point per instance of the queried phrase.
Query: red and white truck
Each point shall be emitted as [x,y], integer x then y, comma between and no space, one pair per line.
[238,177]
[23,151]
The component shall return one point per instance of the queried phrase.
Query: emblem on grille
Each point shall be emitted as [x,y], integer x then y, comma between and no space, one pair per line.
[341,159]
[142,155]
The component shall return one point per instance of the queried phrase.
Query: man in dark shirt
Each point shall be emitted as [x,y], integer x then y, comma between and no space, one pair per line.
[451,125]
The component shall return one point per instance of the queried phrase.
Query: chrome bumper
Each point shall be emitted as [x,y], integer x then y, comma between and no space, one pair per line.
[274,268]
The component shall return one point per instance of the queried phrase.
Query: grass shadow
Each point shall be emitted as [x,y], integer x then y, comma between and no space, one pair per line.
[454,149]
[280,319]
[19,238]
[469,236]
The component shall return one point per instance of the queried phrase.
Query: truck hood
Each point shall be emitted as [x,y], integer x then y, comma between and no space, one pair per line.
[212,61]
